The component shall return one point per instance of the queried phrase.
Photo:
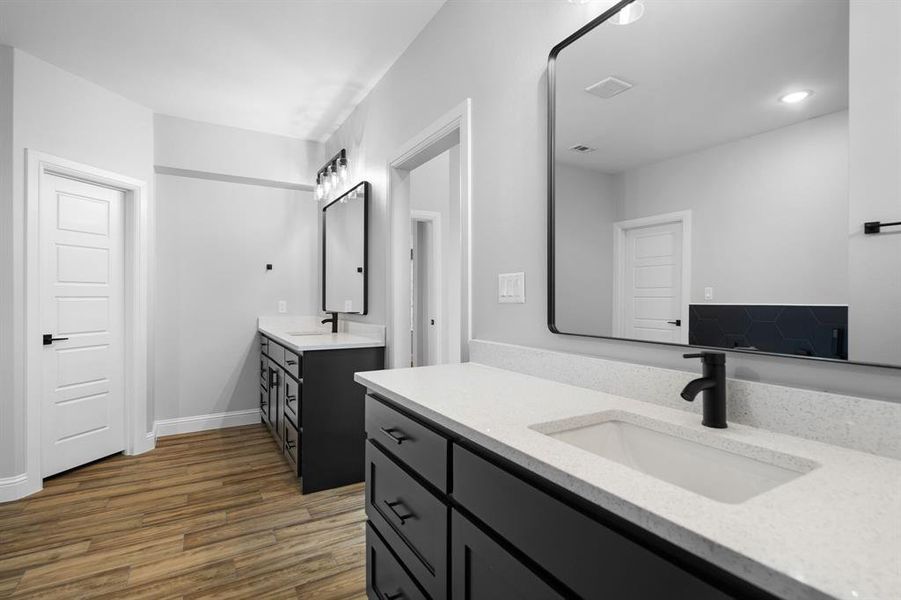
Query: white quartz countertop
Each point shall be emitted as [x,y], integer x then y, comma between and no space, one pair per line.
[307,340]
[834,532]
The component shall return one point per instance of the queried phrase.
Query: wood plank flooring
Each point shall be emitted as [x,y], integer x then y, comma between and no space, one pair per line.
[215,514]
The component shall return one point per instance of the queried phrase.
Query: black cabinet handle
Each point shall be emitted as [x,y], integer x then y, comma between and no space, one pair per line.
[291,362]
[397,438]
[290,445]
[273,377]
[290,399]
[403,518]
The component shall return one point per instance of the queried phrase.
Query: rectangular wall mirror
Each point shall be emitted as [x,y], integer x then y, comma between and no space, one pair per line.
[699,158]
[345,222]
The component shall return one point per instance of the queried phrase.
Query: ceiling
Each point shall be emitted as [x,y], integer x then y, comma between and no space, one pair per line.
[289,67]
[704,73]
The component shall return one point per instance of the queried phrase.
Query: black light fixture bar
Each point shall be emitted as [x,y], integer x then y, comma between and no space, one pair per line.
[332,162]
[876,226]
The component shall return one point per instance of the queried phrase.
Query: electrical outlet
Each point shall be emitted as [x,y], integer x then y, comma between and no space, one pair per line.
[282,306]
[708,293]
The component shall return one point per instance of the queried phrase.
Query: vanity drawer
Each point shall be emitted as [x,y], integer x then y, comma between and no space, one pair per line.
[264,345]
[292,363]
[483,569]
[292,445]
[264,371]
[293,392]
[385,577]
[412,521]
[276,353]
[421,448]
[588,557]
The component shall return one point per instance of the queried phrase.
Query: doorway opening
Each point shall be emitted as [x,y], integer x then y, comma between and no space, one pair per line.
[430,174]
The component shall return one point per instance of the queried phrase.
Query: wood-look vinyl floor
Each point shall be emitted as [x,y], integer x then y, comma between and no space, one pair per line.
[215,514]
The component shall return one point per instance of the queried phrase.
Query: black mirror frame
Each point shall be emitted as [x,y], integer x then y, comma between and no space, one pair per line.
[366,191]
[551,268]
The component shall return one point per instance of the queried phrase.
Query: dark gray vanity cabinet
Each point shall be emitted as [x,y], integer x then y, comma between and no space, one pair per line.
[314,410]
[459,522]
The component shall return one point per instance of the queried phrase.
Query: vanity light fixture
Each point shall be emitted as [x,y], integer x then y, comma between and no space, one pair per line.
[332,175]
[795,97]
[629,13]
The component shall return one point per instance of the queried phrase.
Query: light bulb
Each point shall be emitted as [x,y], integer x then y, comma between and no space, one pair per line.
[795,97]
[333,177]
[326,185]
[342,169]
[629,14]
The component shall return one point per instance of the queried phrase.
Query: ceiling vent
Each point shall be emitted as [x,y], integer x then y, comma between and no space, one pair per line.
[608,88]
[582,149]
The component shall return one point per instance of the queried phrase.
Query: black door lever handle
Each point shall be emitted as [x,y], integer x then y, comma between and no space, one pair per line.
[677,322]
[48,339]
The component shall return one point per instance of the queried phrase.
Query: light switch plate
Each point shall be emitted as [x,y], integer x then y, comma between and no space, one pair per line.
[708,293]
[511,288]
[282,306]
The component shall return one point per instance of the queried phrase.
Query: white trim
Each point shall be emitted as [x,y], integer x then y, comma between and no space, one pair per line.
[17,486]
[235,418]
[715,303]
[433,217]
[453,128]
[619,240]
[137,260]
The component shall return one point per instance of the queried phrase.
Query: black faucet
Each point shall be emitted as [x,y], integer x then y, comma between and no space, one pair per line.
[333,320]
[713,384]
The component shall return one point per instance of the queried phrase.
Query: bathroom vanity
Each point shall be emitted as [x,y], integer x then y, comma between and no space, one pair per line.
[311,403]
[484,483]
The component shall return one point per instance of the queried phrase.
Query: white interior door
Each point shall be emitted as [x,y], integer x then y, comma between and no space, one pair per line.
[82,300]
[652,278]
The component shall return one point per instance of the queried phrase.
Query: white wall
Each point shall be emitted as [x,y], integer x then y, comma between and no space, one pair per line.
[503,69]
[186,144]
[8,408]
[769,213]
[63,115]
[586,207]
[214,239]
[875,123]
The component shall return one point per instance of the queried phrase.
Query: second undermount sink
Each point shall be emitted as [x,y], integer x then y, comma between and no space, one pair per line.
[717,473]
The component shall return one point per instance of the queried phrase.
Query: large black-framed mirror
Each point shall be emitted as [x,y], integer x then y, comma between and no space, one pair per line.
[699,187]
[345,252]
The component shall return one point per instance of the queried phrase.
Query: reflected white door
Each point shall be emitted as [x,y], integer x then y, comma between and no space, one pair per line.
[82,299]
[652,278]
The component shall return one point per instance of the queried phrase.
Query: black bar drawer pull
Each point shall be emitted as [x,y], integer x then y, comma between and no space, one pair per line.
[403,518]
[290,399]
[291,362]
[290,445]
[398,438]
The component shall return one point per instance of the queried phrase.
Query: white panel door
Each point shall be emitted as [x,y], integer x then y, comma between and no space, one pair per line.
[652,301]
[82,300]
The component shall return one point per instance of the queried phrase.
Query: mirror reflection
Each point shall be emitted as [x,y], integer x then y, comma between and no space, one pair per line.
[701,181]
[344,241]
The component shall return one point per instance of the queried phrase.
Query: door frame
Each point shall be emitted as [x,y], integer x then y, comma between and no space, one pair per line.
[620,228]
[137,310]
[436,286]
[451,129]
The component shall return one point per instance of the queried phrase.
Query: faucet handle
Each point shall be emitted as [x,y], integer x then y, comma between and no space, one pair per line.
[710,358]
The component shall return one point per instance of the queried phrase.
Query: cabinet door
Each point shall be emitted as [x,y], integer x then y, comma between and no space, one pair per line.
[482,570]
[274,393]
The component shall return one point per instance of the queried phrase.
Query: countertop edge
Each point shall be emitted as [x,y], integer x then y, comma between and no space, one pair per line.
[281,339]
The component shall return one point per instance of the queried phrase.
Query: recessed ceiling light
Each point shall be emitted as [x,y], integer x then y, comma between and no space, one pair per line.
[795,97]
[629,14]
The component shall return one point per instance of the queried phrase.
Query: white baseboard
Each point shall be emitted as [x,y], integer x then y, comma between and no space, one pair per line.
[235,418]
[18,486]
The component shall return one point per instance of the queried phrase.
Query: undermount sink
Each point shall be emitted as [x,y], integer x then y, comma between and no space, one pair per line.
[717,473]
